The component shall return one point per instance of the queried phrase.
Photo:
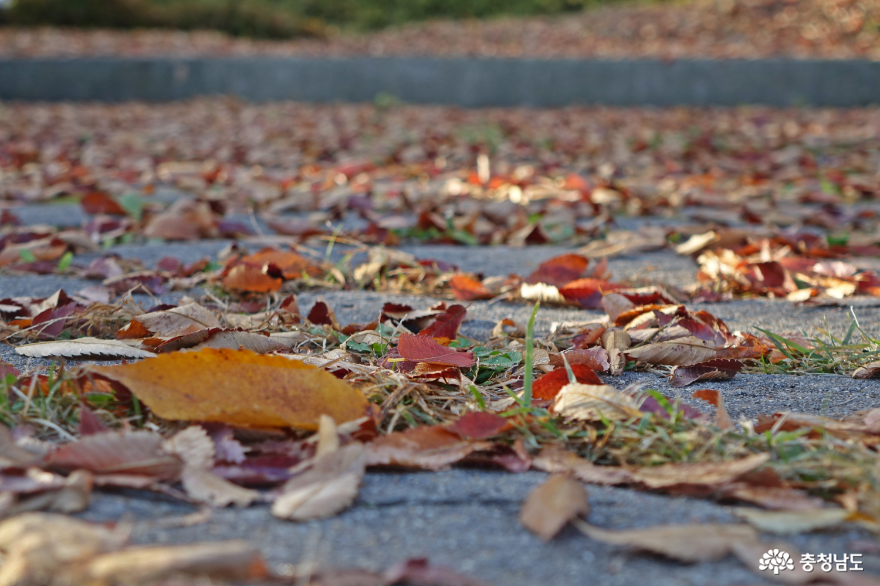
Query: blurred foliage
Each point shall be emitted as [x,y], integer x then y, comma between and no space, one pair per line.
[266,18]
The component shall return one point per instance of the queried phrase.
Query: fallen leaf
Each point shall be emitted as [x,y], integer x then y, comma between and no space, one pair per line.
[477,425]
[713,397]
[227,560]
[468,289]
[204,486]
[238,387]
[697,478]
[419,572]
[870,370]
[559,271]
[447,324]
[82,348]
[615,304]
[556,460]
[552,505]
[98,202]
[193,446]
[679,352]
[593,402]
[790,522]
[178,321]
[686,543]
[423,349]
[327,488]
[429,447]
[548,385]
[250,278]
[594,358]
[716,369]
[136,453]
[291,264]
[218,338]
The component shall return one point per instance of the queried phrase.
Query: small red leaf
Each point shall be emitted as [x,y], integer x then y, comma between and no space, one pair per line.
[478,425]
[468,289]
[548,385]
[425,349]
[447,324]
[560,270]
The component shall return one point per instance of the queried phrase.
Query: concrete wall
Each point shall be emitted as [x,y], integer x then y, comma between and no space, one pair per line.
[464,82]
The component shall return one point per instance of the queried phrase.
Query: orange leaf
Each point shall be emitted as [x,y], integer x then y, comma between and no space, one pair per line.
[250,278]
[238,387]
[468,289]
[292,265]
[547,386]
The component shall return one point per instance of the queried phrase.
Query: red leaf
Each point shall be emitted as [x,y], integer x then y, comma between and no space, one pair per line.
[6,369]
[560,270]
[548,385]
[468,289]
[478,425]
[250,278]
[89,424]
[447,324]
[55,327]
[425,349]
[321,314]
[99,202]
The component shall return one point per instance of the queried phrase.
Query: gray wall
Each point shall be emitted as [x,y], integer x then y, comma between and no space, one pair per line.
[463,82]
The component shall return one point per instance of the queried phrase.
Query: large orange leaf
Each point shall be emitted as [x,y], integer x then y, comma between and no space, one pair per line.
[238,387]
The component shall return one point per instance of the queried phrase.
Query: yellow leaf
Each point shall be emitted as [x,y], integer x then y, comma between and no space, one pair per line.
[238,387]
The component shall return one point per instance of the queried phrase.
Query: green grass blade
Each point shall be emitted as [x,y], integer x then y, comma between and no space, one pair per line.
[530,354]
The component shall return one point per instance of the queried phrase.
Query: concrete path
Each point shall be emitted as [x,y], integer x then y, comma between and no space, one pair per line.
[467,518]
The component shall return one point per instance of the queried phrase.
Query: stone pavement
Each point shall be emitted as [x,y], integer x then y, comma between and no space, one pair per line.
[467,518]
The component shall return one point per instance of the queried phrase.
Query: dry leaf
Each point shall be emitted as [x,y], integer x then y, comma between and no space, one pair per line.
[697,478]
[136,453]
[327,488]
[429,447]
[717,369]
[686,543]
[559,460]
[238,387]
[206,487]
[548,385]
[681,351]
[789,522]
[193,446]
[82,348]
[586,402]
[227,560]
[870,370]
[722,418]
[328,437]
[236,340]
[178,321]
[553,504]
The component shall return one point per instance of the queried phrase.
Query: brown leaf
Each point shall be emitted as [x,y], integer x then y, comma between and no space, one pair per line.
[553,504]
[697,478]
[419,572]
[219,338]
[423,349]
[587,402]
[227,560]
[429,447]
[682,351]
[615,304]
[291,264]
[716,369]
[870,370]
[136,453]
[559,460]
[327,488]
[686,543]
[185,319]
[206,487]
[594,358]
[98,202]
[238,387]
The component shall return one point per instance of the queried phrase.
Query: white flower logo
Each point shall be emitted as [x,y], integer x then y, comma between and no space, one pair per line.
[776,560]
